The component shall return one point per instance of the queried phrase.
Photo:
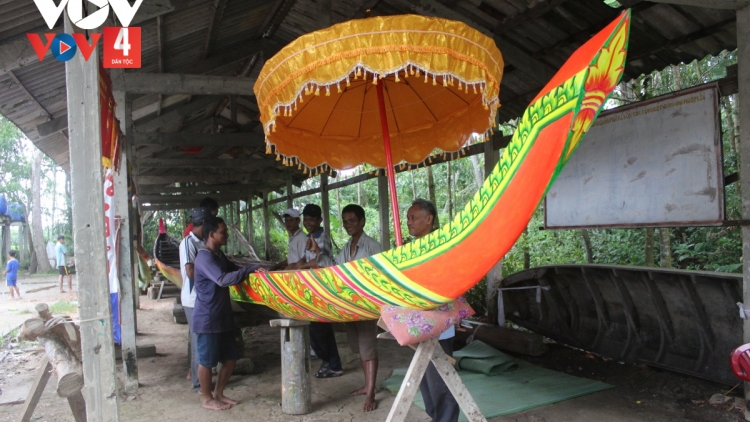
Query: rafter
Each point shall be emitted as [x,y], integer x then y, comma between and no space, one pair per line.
[217,13]
[29,95]
[177,83]
[228,140]
[179,112]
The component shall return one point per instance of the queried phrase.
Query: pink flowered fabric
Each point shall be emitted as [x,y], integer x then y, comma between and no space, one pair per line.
[410,326]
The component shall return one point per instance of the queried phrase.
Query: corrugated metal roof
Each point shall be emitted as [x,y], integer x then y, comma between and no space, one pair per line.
[661,34]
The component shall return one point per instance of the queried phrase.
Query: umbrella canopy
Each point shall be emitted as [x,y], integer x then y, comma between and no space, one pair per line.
[319,103]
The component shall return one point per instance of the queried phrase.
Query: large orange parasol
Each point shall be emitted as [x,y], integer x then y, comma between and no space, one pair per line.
[381,91]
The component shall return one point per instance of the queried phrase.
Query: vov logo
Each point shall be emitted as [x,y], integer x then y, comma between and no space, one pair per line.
[122,45]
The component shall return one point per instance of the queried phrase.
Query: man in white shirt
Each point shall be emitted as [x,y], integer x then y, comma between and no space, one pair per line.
[439,403]
[297,239]
[362,335]
[188,250]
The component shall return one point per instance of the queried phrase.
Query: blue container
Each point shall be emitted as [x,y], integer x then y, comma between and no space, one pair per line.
[16,212]
[3,205]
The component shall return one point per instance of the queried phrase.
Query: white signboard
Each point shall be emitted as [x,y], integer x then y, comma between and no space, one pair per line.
[657,163]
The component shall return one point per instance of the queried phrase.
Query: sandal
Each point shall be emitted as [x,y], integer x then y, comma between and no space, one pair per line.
[328,373]
[323,367]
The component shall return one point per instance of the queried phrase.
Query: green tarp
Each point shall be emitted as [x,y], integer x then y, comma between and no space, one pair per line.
[516,386]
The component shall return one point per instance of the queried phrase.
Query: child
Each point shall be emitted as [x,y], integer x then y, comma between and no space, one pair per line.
[11,274]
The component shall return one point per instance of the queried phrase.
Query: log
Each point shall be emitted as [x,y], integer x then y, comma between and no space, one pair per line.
[42,309]
[32,328]
[68,332]
[67,366]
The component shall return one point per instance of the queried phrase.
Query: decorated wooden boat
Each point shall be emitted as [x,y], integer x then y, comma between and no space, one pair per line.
[685,321]
[443,265]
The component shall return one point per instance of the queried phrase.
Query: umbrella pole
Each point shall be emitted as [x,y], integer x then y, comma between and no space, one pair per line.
[389,164]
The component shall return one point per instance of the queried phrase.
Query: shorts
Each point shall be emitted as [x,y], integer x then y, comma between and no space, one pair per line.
[63,270]
[216,347]
[10,283]
[362,336]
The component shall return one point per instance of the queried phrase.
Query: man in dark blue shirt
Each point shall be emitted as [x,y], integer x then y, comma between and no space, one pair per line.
[212,315]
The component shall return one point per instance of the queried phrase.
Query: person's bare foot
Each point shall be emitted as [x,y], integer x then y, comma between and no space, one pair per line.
[362,391]
[190,374]
[213,404]
[370,404]
[224,399]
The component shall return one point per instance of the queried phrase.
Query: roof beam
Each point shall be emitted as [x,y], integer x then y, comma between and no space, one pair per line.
[28,94]
[708,4]
[217,13]
[52,126]
[181,111]
[173,163]
[177,83]
[17,51]
[203,189]
[210,178]
[273,20]
[165,199]
[178,139]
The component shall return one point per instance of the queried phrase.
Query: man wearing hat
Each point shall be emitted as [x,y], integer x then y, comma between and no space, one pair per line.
[61,255]
[297,239]
[188,250]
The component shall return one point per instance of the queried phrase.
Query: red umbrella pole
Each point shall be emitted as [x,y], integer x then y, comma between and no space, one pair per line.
[389,164]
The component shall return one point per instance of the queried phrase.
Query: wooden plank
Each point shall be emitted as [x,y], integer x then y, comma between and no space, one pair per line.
[176,83]
[456,386]
[385,213]
[37,388]
[743,82]
[101,389]
[412,379]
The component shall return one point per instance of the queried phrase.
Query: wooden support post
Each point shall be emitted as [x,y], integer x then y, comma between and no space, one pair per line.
[495,275]
[84,126]
[6,242]
[385,214]
[127,258]
[127,291]
[325,204]
[430,351]
[743,80]
[266,227]
[37,388]
[250,223]
[296,373]
[289,193]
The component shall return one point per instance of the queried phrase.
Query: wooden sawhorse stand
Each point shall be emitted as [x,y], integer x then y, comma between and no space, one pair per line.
[430,351]
[76,401]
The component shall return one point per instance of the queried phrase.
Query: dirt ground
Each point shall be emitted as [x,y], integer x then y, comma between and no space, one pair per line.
[640,393]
